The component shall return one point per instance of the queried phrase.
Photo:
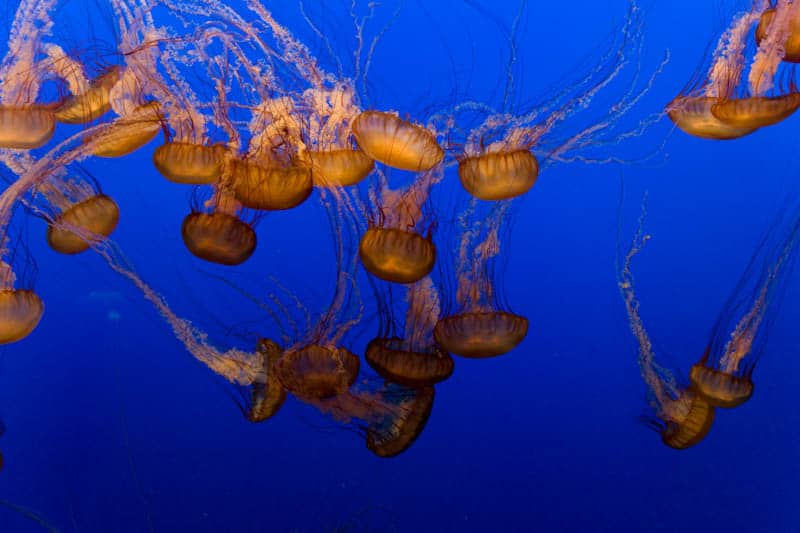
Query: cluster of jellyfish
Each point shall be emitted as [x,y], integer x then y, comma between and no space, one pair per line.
[272,127]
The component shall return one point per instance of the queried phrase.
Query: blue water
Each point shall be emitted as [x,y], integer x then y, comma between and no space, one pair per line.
[111,426]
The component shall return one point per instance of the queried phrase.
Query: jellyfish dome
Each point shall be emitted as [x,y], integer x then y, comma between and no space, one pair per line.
[339,168]
[481,334]
[95,218]
[721,389]
[26,128]
[693,115]
[190,164]
[90,105]
[396,255]
[499,175]
[218,237]
[267,395]
[692,426]
[395,142]
[127,134]
[317,372]
[20,313]
[389,358]
[791,45]
[270,188]
[394,433]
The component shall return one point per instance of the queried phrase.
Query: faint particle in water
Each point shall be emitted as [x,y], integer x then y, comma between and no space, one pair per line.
[114,316]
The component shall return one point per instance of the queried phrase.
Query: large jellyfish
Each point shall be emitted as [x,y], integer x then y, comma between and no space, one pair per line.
[738,94]
[681,415]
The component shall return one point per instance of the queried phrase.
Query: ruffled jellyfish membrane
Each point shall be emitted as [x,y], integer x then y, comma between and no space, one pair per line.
[219,236]
[393,249]
[20,309]
[270,177]
[682,417]
[395,142]
[81,215]
[329,148]
[724,375]
[721,106]
[480,328]
[267,395]
[413,359]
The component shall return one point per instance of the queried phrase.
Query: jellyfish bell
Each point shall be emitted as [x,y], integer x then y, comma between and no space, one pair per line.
[392,433]
[267,395]
[218,237]
[691,423]
[94,218]
[339,168]
[792,43]
[481,334]
[391,359]
[317,372]
[92,104]
[395,142]
[26,127]
[693,115]
[270,187]
[20,313]
[721,389]
[499,175]
[756,111]
[129,133]
[191,164]
[396,255]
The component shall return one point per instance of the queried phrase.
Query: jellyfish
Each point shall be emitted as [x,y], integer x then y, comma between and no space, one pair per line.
[411,357]
[791,44]
[480,326]
[681,415]
[21,308]
[267,395]
[723,375]
[395,142]
[738,94]
[396,247]
[501,150]
[218,232]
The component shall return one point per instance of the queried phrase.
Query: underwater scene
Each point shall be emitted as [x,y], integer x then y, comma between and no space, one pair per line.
[408,265]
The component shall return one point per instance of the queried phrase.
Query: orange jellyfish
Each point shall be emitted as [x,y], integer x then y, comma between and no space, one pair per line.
[267,395]
[81,214]
[791,44]
[724,374]
[89,99]
[681,415]
[21,309]
[396,248]
[738,95]
[479,327]
[218,232]
[395,142]
[410,357]
[270,177]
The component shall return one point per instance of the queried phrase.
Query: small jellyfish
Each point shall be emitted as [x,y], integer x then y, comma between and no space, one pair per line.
[316,372]
[81,214]
[391,433]
[412,359]
[267,395]
[395,142]
[127,134]
[680,415]
[480,327]
[220,236]
[90,103]
[190,164]
[724,374]
[393,249]
[500,175]
[21,309]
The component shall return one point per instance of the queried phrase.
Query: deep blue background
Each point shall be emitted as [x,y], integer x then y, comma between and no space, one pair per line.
[545,438]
